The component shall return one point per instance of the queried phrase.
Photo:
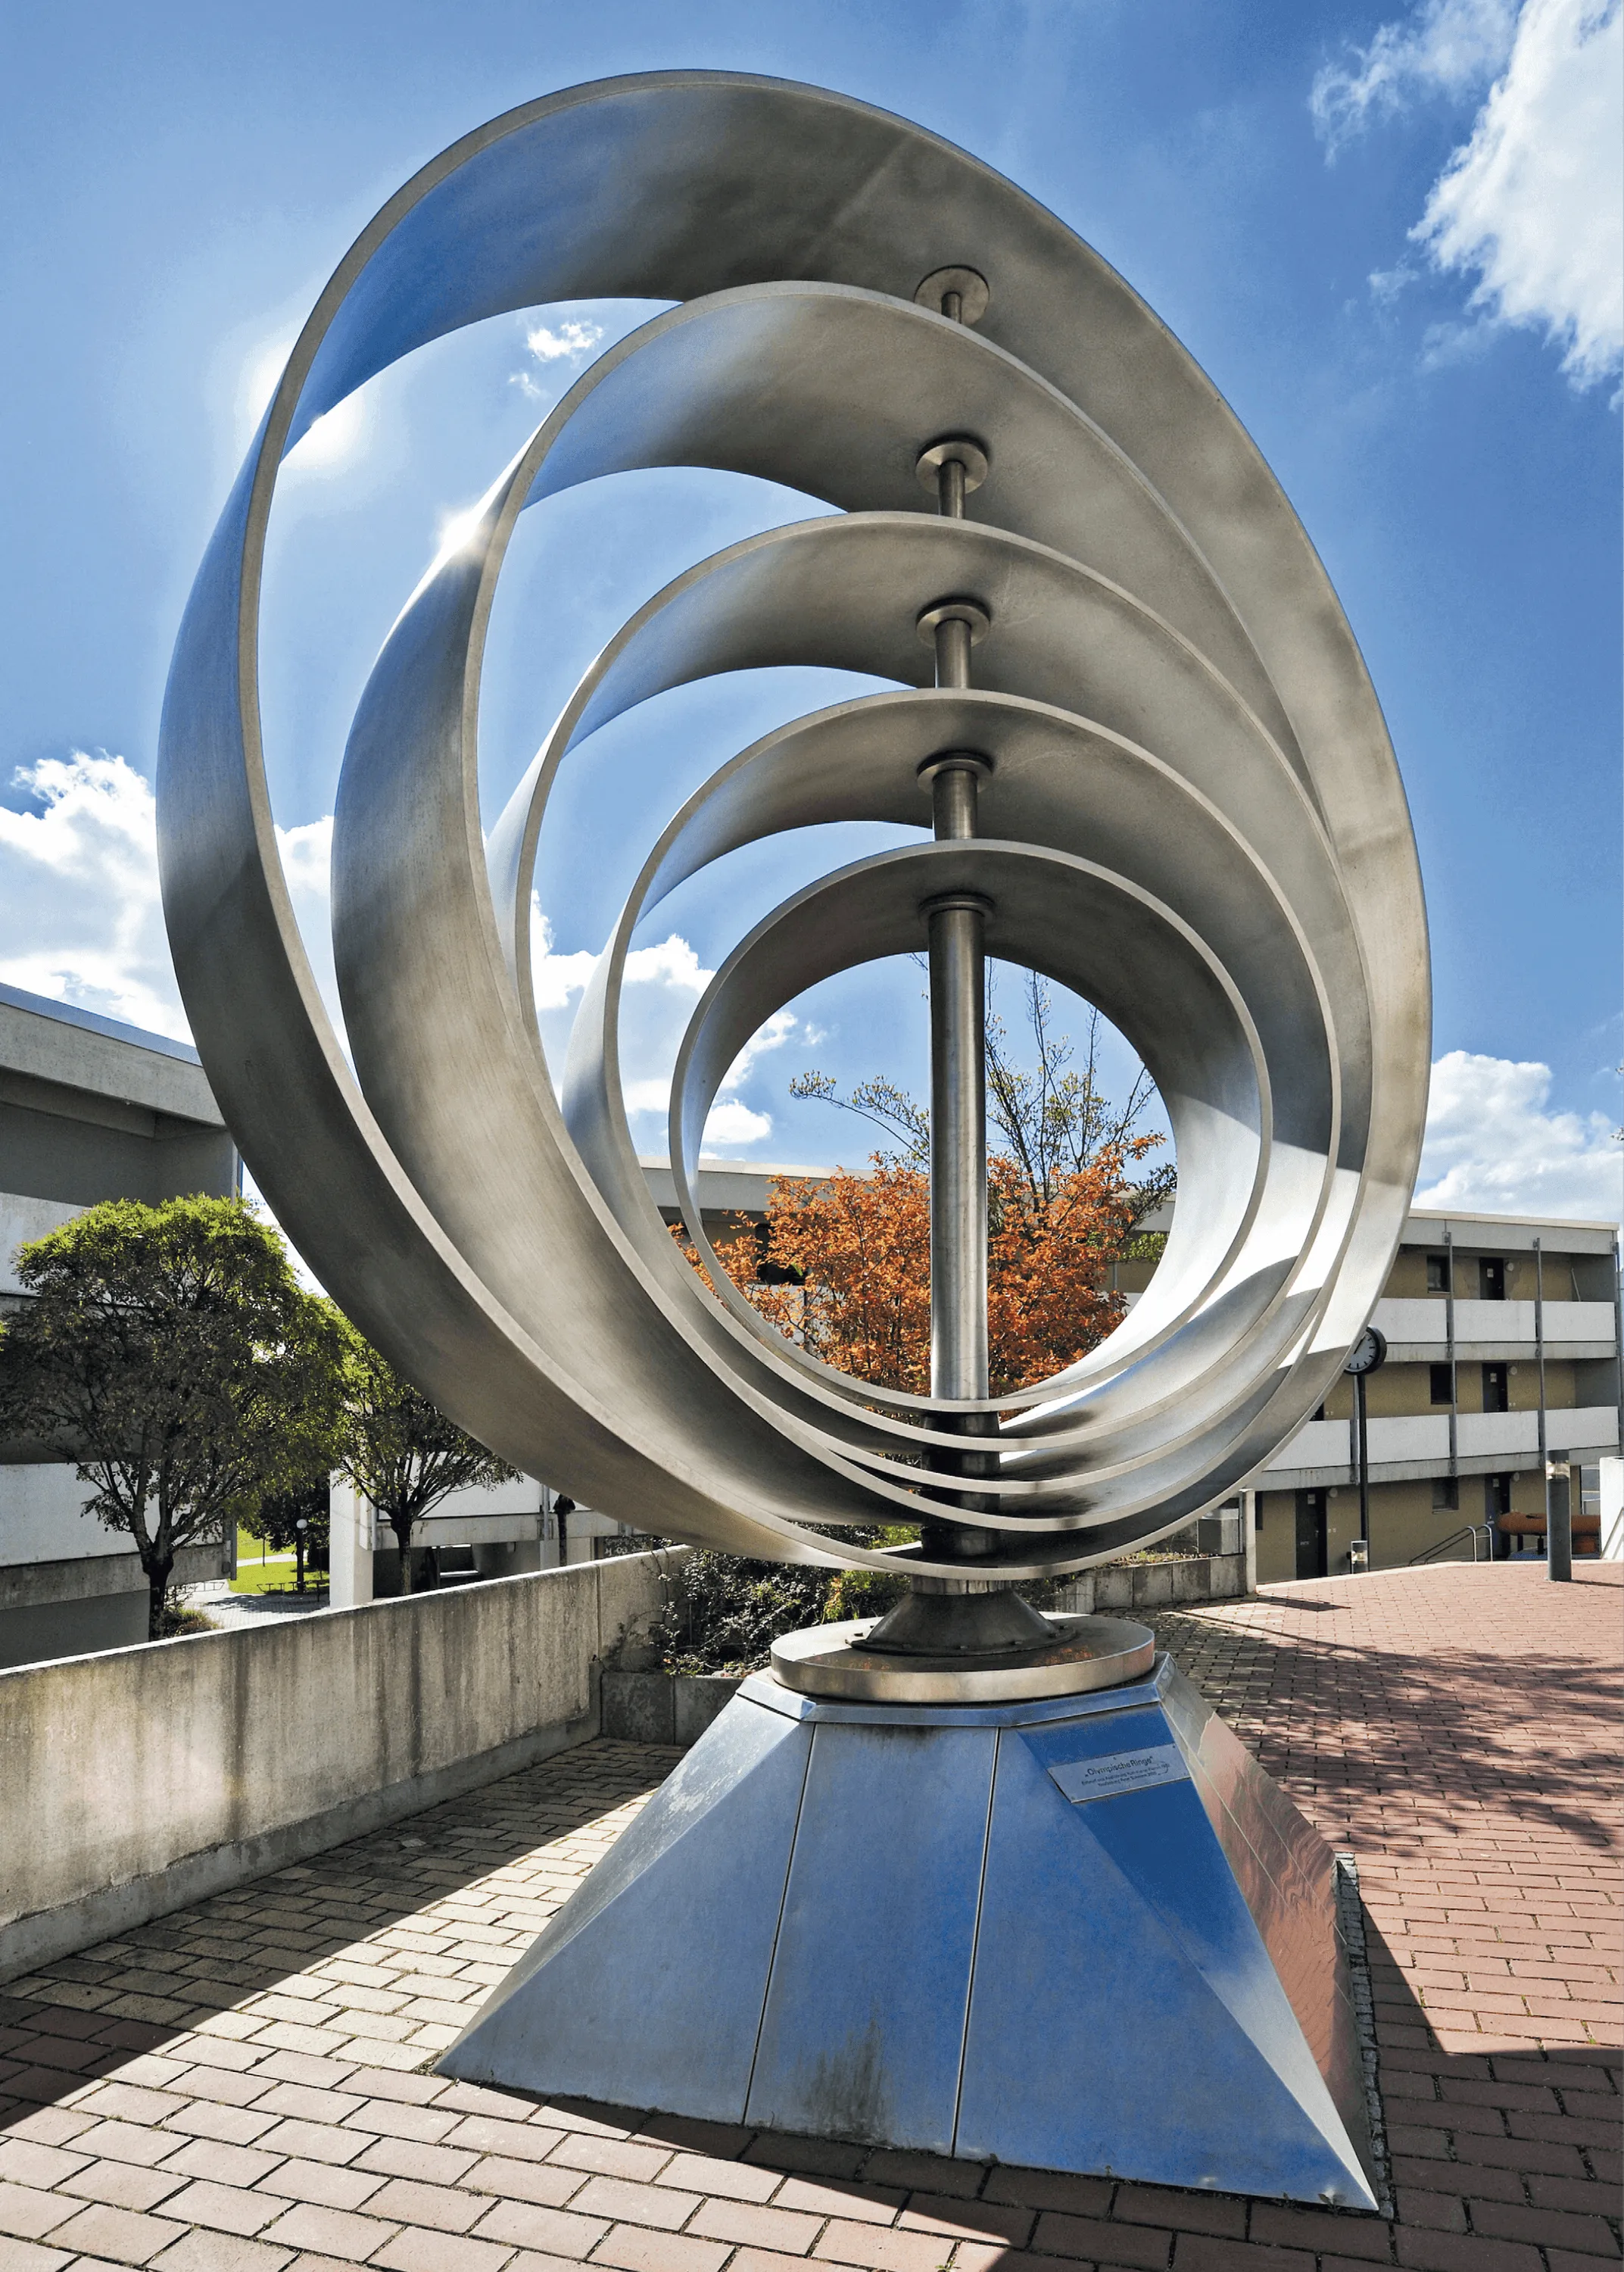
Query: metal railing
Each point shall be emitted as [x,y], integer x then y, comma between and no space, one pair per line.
[1472,1530]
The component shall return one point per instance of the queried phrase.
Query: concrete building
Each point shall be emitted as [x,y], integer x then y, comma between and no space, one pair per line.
[510,1528]
[89,1110]
[1502,1336]
[1503,1346]
[1502,1352]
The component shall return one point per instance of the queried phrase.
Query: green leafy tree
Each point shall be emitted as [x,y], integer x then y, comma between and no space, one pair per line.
[171,1355]
[299,1518]
[398,1451]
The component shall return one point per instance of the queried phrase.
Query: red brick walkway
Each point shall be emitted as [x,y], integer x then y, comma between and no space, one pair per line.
[237,2089]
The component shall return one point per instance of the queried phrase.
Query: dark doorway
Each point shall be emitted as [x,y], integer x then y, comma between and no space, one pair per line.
[1496,1502]
[1491,1279]
[1311,1534]
[1442,1384]
[1494,1391]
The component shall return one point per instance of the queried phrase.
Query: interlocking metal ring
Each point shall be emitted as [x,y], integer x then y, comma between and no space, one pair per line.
[1192,816]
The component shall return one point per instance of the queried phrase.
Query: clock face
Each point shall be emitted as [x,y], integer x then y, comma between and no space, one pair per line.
[1368,1351]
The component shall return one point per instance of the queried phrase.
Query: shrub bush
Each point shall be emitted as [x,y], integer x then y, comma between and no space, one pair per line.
[723,1614]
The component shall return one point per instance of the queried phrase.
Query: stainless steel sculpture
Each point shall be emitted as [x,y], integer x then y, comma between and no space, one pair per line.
[1131,712]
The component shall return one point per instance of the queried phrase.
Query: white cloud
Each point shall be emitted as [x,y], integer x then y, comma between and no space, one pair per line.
[567,343]
[1449,47]
[1492,1144]
[307,860]
[1533,204]
[662,985]
[80,916]
[557,979]
[732,1125]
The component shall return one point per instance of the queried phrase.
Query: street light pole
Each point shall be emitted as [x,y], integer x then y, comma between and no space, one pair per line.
[1366,1355]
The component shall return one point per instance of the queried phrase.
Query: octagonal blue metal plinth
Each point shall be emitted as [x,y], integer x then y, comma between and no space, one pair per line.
[1086,1934]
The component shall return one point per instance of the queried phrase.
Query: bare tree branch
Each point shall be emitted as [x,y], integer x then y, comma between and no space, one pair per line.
[1052,1119]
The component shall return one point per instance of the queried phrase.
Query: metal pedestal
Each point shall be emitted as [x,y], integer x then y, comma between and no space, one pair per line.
[1082,1933]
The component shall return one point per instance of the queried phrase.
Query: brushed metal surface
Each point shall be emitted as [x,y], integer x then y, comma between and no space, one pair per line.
[1086,1653]
[1194,815]
[955,928]
[864,2018]
[766,1690]
[1181,2060]
[668,1944]
[965,1959]
[1286,1874]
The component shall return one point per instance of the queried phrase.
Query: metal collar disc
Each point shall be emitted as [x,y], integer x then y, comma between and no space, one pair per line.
[1086,1653]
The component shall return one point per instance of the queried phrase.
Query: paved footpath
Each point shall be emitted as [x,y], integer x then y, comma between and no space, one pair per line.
[239,2088]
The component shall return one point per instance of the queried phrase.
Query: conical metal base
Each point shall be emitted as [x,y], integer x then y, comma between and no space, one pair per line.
[1085,1933]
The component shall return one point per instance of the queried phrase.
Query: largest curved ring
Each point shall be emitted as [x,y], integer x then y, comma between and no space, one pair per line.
[1194,818]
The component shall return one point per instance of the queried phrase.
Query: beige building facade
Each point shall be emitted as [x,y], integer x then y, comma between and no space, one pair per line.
[1502,1357]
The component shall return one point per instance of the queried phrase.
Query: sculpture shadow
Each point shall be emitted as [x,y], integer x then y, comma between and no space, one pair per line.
[221,1951]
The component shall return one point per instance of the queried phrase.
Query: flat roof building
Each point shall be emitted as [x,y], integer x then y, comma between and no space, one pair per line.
[1502,1333]
[1503,1341]
[1502,1352]
[90,1110]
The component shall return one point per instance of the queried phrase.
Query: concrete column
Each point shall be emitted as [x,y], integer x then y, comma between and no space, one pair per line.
[1612,1510]
[1559,1522]
[1248,1537]
[349,1570]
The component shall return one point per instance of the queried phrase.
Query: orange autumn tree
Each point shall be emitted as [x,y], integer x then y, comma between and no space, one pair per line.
[858,1250]
[843,1266]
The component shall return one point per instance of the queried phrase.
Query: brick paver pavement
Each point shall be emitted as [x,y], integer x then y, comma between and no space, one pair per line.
[240,2088]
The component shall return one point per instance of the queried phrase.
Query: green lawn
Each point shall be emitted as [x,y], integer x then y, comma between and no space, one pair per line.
[261,1571]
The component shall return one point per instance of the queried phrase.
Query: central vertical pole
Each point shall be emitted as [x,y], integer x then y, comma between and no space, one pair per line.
[958,1077]
[956,934]
[958,1151]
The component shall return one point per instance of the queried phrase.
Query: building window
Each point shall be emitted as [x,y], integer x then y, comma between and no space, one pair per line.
[1446,1492]
[1437,1274]
[1494,1394]
[1496,1496]
[1491,1279]
[1443,1383]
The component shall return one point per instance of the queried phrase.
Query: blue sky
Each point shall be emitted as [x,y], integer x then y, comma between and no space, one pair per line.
[1391,235]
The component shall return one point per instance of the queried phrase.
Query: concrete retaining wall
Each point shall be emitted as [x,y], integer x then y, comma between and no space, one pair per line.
[136,1782]
[665,1707]
[1157,1585]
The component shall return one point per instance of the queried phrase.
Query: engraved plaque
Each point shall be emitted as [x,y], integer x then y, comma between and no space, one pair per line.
[1116,1772]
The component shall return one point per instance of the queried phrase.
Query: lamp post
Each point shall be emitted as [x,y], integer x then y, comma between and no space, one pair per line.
[1367,1355]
